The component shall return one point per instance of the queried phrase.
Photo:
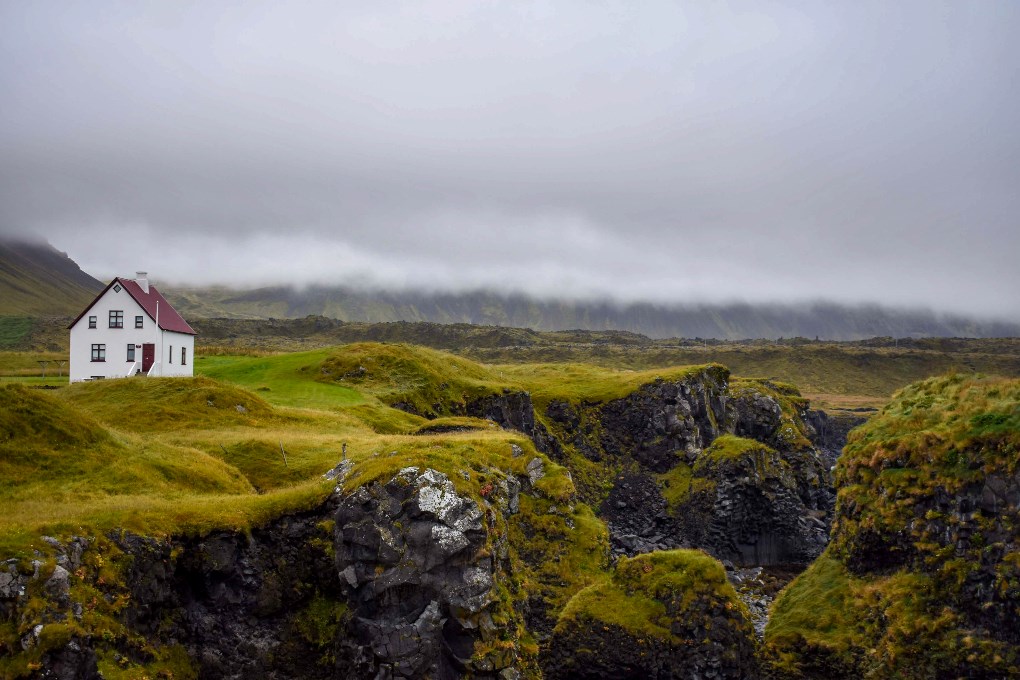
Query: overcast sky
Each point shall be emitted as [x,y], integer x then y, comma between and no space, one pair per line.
[671,152]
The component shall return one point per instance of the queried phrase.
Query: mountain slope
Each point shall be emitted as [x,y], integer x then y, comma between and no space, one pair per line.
[36,279]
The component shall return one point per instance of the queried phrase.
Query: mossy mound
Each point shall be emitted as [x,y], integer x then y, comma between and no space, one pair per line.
[33,419]
[160,404]
[666,614]
[922,576]
[455,424]
[415,379]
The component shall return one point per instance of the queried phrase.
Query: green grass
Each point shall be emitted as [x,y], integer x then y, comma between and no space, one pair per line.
[730,447]
[815,609]
[13,330]
[282,380]
[586,382]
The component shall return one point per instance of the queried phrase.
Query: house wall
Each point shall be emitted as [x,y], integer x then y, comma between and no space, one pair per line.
[171,359]
[116,341]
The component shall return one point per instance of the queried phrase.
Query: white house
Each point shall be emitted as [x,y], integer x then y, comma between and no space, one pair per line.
[130,329]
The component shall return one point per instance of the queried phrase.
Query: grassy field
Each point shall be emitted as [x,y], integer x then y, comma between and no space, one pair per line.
[252,434]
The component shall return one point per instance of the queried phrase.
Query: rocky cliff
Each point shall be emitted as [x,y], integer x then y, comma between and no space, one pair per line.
[473,557]
[672,485]
[922,576]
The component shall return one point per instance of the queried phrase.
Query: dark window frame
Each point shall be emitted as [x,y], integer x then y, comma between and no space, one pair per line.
[139,320]
[98,352]
[93,322]
[130,352]
[116,318]
[184,356]
[171,355]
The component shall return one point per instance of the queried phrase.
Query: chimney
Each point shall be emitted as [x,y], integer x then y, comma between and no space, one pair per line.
[142,279]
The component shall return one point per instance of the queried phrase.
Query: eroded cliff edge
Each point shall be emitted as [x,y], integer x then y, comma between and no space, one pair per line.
[469,568]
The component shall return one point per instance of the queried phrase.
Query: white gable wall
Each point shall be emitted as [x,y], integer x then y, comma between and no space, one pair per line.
[116,341]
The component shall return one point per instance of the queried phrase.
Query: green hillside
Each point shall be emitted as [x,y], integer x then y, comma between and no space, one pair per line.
[38,280]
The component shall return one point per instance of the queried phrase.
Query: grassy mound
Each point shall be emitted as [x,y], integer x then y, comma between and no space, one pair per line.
[593,384]
[33,420]
[419,380]
[61,468]
[922,575]
[153,404]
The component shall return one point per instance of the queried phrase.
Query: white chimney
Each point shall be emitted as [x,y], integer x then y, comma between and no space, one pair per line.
[142,279]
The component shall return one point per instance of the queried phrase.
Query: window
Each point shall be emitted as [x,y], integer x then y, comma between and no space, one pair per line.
[92,322]
[184,356]
[131,353]
[138,322]
[171,354]
[98,352]
[116,288]
[116,318]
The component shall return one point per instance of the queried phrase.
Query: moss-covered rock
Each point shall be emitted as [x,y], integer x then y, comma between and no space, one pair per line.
[922,577]
[666,614]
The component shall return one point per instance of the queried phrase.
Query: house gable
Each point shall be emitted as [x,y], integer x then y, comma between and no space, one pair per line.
[169,319]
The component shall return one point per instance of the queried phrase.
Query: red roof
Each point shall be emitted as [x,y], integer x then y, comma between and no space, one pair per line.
[169,319]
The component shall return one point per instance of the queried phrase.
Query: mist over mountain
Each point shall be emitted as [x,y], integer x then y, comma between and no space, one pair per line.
[733,321]
[36,279]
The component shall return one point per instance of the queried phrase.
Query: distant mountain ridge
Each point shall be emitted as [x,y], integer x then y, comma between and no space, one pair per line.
[827,321]
[36,279]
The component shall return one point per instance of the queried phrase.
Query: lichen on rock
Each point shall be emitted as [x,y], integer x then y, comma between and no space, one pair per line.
[418,566]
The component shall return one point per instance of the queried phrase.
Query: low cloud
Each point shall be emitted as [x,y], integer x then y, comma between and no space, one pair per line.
[752,151]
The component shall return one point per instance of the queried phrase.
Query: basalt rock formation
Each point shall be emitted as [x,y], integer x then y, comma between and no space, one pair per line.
[419,565]
[770,503]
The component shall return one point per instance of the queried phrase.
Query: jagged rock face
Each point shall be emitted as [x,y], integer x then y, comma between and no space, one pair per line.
[601,651]
[978,524]
[638,518]
[512,410]
[231,599]
[755,416]
[663,418]
[410,556]
[763,508]
[739,513]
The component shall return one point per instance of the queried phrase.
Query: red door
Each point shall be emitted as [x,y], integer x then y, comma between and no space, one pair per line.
[148,356]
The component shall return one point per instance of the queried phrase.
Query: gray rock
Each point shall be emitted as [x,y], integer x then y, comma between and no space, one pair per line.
[408,553]
[536,470]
